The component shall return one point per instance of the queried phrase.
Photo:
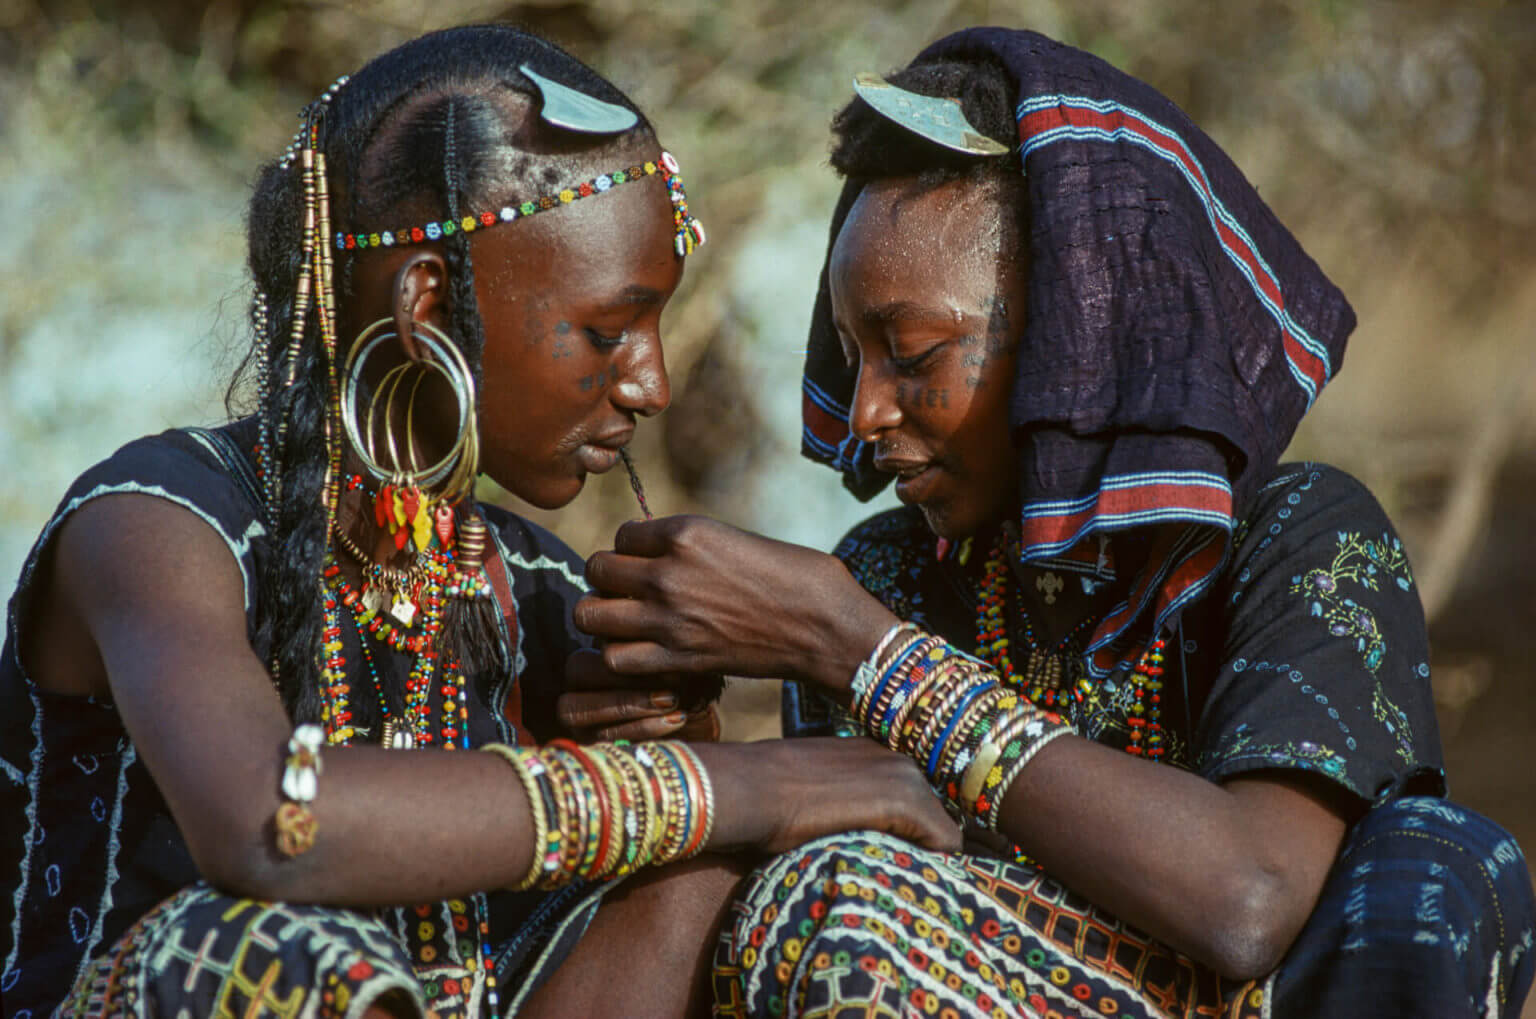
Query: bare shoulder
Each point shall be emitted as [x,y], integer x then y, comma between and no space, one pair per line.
[125,567]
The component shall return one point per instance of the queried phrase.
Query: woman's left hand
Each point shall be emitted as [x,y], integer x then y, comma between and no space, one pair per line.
[600,705]
[690,594]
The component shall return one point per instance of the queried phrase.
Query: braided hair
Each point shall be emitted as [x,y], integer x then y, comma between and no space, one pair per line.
[419,133]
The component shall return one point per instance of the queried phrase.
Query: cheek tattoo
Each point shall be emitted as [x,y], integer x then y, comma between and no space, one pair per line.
[922,396]
[599,380]
[999,339]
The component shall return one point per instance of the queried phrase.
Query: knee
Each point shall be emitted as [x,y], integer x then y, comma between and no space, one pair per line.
[822,882]
[1434,843]
[1453,888]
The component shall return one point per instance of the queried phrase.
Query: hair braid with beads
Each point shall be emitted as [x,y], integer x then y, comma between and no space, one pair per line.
[413,134]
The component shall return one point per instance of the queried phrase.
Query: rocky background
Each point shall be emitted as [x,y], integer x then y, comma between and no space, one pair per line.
[1396,139]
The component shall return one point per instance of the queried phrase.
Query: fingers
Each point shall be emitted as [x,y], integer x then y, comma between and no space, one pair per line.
[644,730]
[647,658]
[616,618]
[933,828]
[652,538]
[620,714]
[619,575]
[586,670]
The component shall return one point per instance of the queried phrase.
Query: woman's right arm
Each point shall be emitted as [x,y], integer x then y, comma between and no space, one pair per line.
[158,606]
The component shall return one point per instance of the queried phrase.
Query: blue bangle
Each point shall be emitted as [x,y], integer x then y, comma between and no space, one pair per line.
[954,718]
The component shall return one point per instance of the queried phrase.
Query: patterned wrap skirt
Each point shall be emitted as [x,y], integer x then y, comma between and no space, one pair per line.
[202,953]
[1428,911]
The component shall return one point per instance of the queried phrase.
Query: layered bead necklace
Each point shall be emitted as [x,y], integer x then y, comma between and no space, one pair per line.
[401,609]
[1050,678]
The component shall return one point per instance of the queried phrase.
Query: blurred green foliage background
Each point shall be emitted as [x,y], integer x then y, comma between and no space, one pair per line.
[1396,139]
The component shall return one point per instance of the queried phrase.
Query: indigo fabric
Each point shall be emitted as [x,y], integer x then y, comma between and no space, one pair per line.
[1175,334]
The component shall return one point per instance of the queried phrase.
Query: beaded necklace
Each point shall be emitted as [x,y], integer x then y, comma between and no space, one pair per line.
[1041,678]
[440,581]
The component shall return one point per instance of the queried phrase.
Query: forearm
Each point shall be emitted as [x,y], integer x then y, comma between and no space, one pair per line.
[1189,861]
[394,828]
[839,640]
[1227,875]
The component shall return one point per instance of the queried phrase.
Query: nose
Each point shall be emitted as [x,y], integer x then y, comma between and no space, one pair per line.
[874,408]
[644,387]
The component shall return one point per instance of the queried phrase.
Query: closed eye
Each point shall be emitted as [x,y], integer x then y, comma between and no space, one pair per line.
[915,364]
[603,341]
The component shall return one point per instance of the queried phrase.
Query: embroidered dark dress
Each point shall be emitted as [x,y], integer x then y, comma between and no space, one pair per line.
[1309,653]
[88,846]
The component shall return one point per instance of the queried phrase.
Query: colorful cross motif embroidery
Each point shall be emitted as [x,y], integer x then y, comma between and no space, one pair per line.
[1363,562]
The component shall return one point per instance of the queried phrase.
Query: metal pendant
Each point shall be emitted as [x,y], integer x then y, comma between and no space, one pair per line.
[403,610]
[938,119]
[576,111]
[373,598]
[396,736]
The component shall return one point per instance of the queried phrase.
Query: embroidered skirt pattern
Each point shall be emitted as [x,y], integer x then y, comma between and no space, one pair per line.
[868,925]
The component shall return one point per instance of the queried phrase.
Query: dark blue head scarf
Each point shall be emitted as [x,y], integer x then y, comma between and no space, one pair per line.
[1175,333]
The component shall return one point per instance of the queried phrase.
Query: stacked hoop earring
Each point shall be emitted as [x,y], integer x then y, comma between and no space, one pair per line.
[415,502]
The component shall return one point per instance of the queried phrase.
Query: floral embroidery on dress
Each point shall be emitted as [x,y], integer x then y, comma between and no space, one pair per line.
[1290,754]
[879,560]
[1364,562]
[1395,721]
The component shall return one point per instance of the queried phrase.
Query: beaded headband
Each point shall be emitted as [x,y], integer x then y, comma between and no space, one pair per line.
[689,232]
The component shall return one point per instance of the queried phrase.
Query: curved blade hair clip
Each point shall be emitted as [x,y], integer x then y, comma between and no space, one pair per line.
[938,119]
[576,111]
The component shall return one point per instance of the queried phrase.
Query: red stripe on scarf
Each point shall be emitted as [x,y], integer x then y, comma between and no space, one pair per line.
[1051,118]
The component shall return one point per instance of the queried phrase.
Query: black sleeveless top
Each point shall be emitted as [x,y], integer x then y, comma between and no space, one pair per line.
[87,844]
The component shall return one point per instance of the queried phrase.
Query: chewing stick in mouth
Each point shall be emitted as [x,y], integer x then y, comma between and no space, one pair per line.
[634,482]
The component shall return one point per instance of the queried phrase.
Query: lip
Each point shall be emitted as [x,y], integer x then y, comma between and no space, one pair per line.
[596,459]
[599,454]
[914,478]
[615,439]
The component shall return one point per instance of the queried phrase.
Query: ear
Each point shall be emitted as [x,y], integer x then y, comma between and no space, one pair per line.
[420,295]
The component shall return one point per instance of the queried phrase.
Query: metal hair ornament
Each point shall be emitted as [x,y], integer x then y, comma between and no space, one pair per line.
[689,231]
[936,118]
[576,111]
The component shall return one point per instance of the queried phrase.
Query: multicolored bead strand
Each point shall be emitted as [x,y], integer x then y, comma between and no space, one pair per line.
[1145,719]
[689,232]
[1043,672]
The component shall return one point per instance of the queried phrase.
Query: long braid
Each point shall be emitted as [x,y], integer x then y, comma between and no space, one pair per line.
[469,626]
[290,620]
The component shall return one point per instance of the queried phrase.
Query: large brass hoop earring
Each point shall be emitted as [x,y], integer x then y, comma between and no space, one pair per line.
[460,465]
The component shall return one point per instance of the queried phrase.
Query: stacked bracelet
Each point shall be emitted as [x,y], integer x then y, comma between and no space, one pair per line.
[295,822]
[603,811]
[971,735]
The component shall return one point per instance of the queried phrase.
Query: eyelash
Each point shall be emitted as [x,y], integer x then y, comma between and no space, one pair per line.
[912,365]
[602,342]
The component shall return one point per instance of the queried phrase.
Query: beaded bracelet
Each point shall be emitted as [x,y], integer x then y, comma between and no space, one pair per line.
[603,811]
[295,822]
[868,669]
[971,735]
[524,768]
[990,817]
[889,668]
